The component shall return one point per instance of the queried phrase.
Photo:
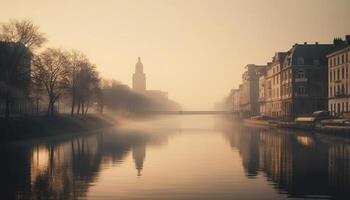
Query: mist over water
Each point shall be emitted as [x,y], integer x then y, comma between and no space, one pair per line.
[186,157]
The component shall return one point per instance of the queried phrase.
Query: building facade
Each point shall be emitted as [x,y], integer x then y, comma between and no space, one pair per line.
[249,90]
[15,77]
[262,93]
[304,80]
[236,100]
[338,77]
[273,103]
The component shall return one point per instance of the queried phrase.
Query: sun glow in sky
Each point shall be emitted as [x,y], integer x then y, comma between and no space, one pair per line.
[194,49]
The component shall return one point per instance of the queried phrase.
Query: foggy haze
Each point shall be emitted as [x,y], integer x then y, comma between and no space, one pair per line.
[196,50]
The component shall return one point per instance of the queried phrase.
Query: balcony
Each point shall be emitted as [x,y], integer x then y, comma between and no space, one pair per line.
[296,94]
[341,95]
[300,80]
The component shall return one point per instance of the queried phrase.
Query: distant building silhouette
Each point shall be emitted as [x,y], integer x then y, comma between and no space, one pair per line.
[249,89]
[139,84]
[139,77]
[15,70]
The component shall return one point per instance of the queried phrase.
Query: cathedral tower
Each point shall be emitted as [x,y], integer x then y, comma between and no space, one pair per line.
[139,78]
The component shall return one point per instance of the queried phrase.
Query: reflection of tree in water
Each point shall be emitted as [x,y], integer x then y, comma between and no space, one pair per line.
[14,177]
[66,169]
[70,167]
[302,165]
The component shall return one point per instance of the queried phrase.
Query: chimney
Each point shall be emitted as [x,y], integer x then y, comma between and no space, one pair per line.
[347,39]
[338,41]
[305,43]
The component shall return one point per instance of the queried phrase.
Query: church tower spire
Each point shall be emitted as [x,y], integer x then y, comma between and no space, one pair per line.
[139,77]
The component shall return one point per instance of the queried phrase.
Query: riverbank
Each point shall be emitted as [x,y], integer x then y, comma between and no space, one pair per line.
[329,128]
[19,128]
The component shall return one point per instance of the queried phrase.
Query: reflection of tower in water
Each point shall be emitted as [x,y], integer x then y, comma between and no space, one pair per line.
[139,154]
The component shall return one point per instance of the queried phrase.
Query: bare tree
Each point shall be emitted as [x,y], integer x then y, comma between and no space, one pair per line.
[87,86]
[24,32]
[22,38]
[77,61]
[51,70]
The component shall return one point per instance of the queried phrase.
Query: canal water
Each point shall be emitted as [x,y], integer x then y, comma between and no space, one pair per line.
[186,157]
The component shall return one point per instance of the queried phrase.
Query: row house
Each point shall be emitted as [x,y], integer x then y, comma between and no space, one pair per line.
[295,82]
[338,77]
[262,93]
[273,104]
[304,80]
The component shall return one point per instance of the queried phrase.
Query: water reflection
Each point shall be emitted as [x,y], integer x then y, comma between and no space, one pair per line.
[65,169]
[274,164]
[306,165]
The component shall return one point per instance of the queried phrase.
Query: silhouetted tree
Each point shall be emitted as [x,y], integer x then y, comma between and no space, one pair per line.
[76,62]
[20,38]
[87,84]
[119,97]
[50,69]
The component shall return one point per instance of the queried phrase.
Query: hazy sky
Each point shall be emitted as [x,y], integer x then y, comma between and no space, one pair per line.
[194,49]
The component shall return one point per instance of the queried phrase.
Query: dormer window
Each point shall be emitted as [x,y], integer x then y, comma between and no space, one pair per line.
[300,61]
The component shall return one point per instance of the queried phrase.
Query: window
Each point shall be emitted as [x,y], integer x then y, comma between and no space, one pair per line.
[331,105]
[342,59]
[300,74]
[330,62]
[301,90]
[338,60]
[334,90]
[300,61]
[330,75]
[338,72]
[330,92]
[342,73]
